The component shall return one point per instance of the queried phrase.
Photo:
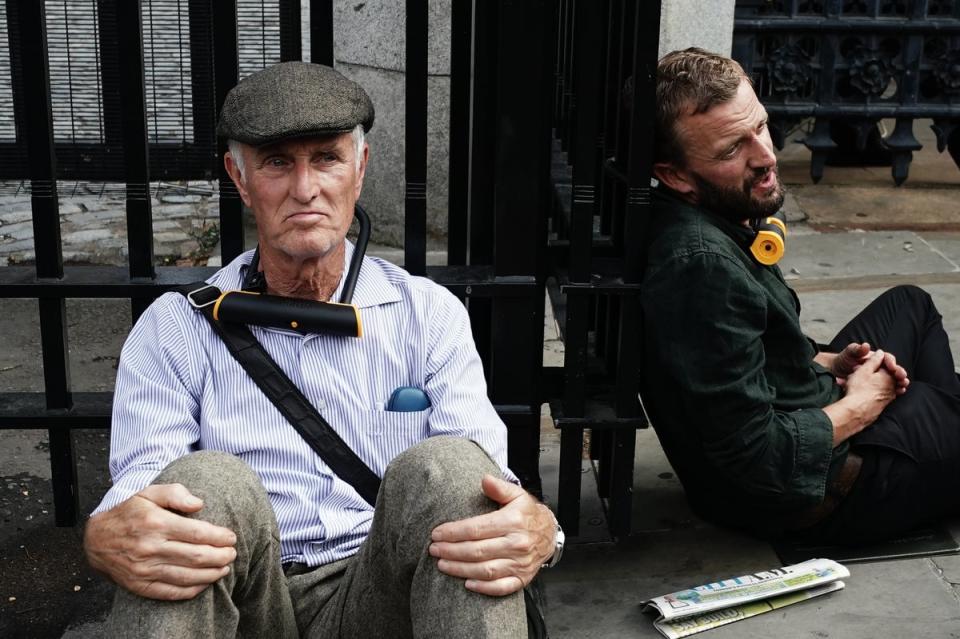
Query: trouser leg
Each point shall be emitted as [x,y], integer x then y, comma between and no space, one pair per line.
[392,587]
[252,600]
[911,469]
[905,322]
[893,495]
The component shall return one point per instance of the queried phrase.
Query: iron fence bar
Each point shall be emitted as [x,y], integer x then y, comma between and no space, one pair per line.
[811,24]
[20,282]
[136,154]
[872,111]
[31,26]
[136,159]
[15,154]
[558,78]
[321,32]
[111,84]
[521,170]
[226,74]
[582,112]
[458,168]
[482,156]
[608,95]
[291,46]
[641,141]
[168,161]
[567,98]
[482,147]
[585,110]
[202,92]
[415,139]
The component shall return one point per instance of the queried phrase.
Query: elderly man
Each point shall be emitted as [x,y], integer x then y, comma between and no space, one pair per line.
[222,520]
[767,432]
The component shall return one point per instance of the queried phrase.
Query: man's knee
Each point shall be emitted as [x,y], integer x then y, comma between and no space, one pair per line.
[225,483]
[443,457]
[910,295]
[445,469]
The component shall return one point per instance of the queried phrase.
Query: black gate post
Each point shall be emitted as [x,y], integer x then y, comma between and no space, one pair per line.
[136,155]
[226,72]
[521,172]
[321,32]
[46,237]
[415,140]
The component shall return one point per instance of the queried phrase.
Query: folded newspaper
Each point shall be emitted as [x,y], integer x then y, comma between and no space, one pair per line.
[688,612]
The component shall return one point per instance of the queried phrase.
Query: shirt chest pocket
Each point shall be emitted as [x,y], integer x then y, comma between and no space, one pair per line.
[406,427]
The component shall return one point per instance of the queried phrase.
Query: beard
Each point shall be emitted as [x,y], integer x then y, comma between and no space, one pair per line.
[737,205]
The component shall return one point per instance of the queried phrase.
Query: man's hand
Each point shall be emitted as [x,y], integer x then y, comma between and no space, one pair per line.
[498,553]
[848,360]
[853,356]
[869,390]
[147,547]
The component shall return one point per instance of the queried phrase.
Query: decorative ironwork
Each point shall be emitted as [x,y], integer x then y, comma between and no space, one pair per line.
[870,72]
[790,69]
[948,73]
[848,64]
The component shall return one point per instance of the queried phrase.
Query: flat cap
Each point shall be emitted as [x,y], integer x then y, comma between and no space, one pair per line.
[292,100]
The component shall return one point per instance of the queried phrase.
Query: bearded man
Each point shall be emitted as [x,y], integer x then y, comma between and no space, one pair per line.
[768,432]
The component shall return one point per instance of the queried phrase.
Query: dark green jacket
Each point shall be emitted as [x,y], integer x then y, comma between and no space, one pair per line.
[729,379]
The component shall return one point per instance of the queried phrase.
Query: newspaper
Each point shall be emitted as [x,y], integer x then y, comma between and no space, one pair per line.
[688,612]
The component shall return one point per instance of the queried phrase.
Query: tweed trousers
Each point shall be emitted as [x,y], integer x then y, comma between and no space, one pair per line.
[390,588]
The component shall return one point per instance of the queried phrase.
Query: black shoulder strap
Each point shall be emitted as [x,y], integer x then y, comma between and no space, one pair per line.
[285,395]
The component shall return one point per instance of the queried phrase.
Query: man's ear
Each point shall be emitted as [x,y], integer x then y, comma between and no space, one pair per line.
[234,172]
[674,178]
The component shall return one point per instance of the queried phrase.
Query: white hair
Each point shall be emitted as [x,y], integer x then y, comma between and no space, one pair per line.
[359,139]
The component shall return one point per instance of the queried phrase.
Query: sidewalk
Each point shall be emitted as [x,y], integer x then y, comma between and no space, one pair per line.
[836,259]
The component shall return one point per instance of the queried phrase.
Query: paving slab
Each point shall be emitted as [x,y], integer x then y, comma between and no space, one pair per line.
[826,312]
[945,243]
[836,255]
[879,207]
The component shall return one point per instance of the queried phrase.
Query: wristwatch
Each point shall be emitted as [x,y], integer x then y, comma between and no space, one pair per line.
[558,551]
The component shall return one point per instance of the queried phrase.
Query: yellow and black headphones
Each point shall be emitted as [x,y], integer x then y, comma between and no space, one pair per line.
[767,246]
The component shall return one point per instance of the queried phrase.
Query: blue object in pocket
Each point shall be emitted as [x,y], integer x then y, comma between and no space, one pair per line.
[408,399]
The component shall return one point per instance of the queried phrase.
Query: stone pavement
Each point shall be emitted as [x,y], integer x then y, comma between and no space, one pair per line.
[851,238]
[836,259]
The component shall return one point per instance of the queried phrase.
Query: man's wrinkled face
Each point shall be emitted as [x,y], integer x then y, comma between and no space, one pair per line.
[730,164]
[302,193]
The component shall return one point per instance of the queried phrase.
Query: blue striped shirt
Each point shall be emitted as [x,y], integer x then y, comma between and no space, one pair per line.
[179,390]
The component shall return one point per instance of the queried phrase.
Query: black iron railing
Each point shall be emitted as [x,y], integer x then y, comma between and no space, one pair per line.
[606,55]
[845,65]
[499,191]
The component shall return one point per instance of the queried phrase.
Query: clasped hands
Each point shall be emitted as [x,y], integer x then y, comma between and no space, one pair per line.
[855,355]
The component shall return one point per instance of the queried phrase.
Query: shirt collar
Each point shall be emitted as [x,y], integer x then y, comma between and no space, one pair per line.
[373,287]
[737,232]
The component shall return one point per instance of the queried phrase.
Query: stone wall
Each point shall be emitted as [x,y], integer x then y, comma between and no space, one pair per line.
[696,23]
[369,47]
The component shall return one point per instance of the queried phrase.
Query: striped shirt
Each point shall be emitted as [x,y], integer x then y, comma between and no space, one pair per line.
[179,390]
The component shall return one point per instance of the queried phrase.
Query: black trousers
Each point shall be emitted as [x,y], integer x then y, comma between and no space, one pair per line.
[911,454]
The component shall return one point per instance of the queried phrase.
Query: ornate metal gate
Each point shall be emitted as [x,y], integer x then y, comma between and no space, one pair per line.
[849,64]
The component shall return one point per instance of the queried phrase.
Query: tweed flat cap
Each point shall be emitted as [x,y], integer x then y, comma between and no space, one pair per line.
[292,100]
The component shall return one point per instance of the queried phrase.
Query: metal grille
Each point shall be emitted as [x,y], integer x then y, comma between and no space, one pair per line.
[155,119]
[73,34]
[605,60]
[850,63]
[167,67]
[258,34]
[8,130]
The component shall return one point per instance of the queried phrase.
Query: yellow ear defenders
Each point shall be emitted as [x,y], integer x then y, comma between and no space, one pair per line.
[768,244]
